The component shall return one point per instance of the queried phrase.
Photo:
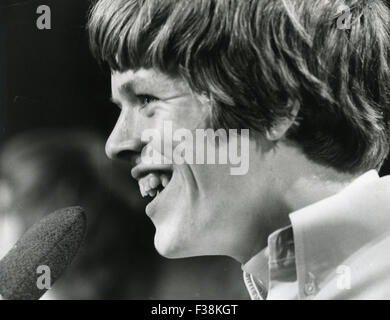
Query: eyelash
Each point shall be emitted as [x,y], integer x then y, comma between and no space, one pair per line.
[145,99]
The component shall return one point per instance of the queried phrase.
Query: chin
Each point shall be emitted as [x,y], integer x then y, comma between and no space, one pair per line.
[166,246]
[172,247]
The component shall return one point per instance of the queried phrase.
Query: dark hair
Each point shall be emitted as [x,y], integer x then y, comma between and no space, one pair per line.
[255,59]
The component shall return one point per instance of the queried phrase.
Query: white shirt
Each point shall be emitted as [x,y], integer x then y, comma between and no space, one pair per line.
[337,248]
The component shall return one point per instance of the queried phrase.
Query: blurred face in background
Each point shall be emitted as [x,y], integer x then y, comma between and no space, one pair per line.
[197,209]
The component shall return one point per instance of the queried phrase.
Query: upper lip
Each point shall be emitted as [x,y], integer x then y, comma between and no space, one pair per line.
[141,170]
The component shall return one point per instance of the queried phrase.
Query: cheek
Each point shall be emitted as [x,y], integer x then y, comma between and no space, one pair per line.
[222,197]
[189,113]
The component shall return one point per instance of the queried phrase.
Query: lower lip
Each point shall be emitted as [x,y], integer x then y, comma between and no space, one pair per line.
[151,207]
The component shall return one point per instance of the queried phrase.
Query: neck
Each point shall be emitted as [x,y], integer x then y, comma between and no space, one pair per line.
[290,182]
[303,182]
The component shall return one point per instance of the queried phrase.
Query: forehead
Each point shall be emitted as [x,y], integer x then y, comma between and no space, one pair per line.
[144,80]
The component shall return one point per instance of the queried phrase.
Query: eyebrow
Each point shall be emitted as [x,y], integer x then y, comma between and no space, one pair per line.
[130,87]
[141,85]
[136,85]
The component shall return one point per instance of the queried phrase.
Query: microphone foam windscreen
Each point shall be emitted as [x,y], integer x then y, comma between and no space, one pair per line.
[52,242]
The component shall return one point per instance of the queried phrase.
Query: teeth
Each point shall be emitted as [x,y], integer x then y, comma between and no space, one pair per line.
[149,184]
[141,188]
[164,180]
[154,181]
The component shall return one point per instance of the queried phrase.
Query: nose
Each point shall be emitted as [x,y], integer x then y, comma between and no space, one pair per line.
[125,142]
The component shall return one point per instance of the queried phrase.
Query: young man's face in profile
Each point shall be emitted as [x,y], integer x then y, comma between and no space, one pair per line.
[197,209]
[319,121]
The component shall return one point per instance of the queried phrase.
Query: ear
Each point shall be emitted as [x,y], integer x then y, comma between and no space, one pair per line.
[279,129]
[205,105]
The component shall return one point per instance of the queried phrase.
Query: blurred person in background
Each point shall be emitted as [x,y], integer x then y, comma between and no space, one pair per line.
[45,170]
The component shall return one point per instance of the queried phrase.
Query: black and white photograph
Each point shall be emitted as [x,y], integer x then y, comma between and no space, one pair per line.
[194,150]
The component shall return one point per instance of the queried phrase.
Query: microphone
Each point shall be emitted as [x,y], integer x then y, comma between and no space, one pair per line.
[51,243]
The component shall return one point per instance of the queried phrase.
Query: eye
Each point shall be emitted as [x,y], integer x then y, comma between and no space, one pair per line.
[145,99]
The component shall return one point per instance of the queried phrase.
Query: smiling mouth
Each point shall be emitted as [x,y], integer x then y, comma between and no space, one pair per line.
[153,183]
[152,179]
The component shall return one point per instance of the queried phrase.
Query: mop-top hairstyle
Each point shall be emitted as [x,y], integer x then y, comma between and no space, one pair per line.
[255,59]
